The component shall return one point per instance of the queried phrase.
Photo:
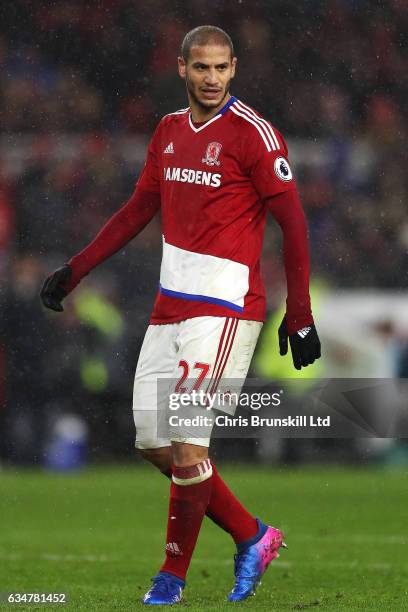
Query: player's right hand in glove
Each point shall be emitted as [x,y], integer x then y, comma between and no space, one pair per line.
[56,287]
[304,343]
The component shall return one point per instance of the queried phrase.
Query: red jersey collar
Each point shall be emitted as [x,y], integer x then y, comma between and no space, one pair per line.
[221,112]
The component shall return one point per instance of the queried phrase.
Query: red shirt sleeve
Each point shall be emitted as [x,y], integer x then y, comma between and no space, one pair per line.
[267,164]
[288,212]
[266,161]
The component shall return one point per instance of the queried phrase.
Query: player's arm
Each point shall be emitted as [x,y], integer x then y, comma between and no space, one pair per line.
[270,172]
[124,225]
[298,325]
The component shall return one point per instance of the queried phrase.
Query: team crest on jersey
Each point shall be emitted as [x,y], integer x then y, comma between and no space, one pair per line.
[282,169]
[212,154]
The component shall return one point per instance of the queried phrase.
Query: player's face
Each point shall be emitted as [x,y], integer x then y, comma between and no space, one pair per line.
[208,73]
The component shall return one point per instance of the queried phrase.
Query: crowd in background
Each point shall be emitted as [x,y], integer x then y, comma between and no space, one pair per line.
[322,68]
[322,72]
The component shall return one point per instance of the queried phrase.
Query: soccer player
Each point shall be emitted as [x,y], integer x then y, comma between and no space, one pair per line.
[213,170]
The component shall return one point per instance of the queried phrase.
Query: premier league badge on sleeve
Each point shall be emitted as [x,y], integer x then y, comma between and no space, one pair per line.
[282,169]
[212,153]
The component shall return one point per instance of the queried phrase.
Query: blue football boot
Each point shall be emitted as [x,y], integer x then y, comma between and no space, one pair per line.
[252,562]
[166,589]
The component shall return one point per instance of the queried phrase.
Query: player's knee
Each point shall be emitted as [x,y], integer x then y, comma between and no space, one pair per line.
[188,454]
[159,457]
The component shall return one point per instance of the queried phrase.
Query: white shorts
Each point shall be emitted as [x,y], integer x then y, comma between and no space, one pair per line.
[208,350]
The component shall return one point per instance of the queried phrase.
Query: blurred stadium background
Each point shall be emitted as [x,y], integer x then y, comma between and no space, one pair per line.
[82,87]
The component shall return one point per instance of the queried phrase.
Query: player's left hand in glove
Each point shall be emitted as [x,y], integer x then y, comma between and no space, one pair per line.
[304,343]
[55,288]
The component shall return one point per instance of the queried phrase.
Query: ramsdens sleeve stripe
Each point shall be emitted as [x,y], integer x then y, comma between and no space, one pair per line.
[240,114]
[267,128]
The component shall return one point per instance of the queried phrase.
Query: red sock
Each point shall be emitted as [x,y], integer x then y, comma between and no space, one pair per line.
[190,492]
[227,511]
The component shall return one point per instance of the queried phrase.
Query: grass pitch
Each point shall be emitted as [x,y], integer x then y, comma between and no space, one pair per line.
[99,537]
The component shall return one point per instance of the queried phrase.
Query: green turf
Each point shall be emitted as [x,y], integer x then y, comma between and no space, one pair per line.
[99,537]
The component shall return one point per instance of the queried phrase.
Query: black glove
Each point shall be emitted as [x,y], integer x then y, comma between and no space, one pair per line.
[305,344]
[52,292]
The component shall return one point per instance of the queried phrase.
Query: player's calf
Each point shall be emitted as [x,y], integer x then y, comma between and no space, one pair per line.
[190,492]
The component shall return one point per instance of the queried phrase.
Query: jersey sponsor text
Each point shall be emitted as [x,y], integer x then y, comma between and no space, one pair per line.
[186,175]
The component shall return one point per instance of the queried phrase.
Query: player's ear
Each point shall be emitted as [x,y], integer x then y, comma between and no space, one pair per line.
[181,67]
[233,65]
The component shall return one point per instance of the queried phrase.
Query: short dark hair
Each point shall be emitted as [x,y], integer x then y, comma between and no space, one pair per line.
[203,35]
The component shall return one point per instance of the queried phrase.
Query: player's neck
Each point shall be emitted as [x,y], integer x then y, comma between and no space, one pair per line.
[200,114]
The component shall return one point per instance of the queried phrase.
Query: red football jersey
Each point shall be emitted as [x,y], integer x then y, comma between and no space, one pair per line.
[213,179]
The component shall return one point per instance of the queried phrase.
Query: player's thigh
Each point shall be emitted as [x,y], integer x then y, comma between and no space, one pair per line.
[151,386]
[215,348]
[214,355]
